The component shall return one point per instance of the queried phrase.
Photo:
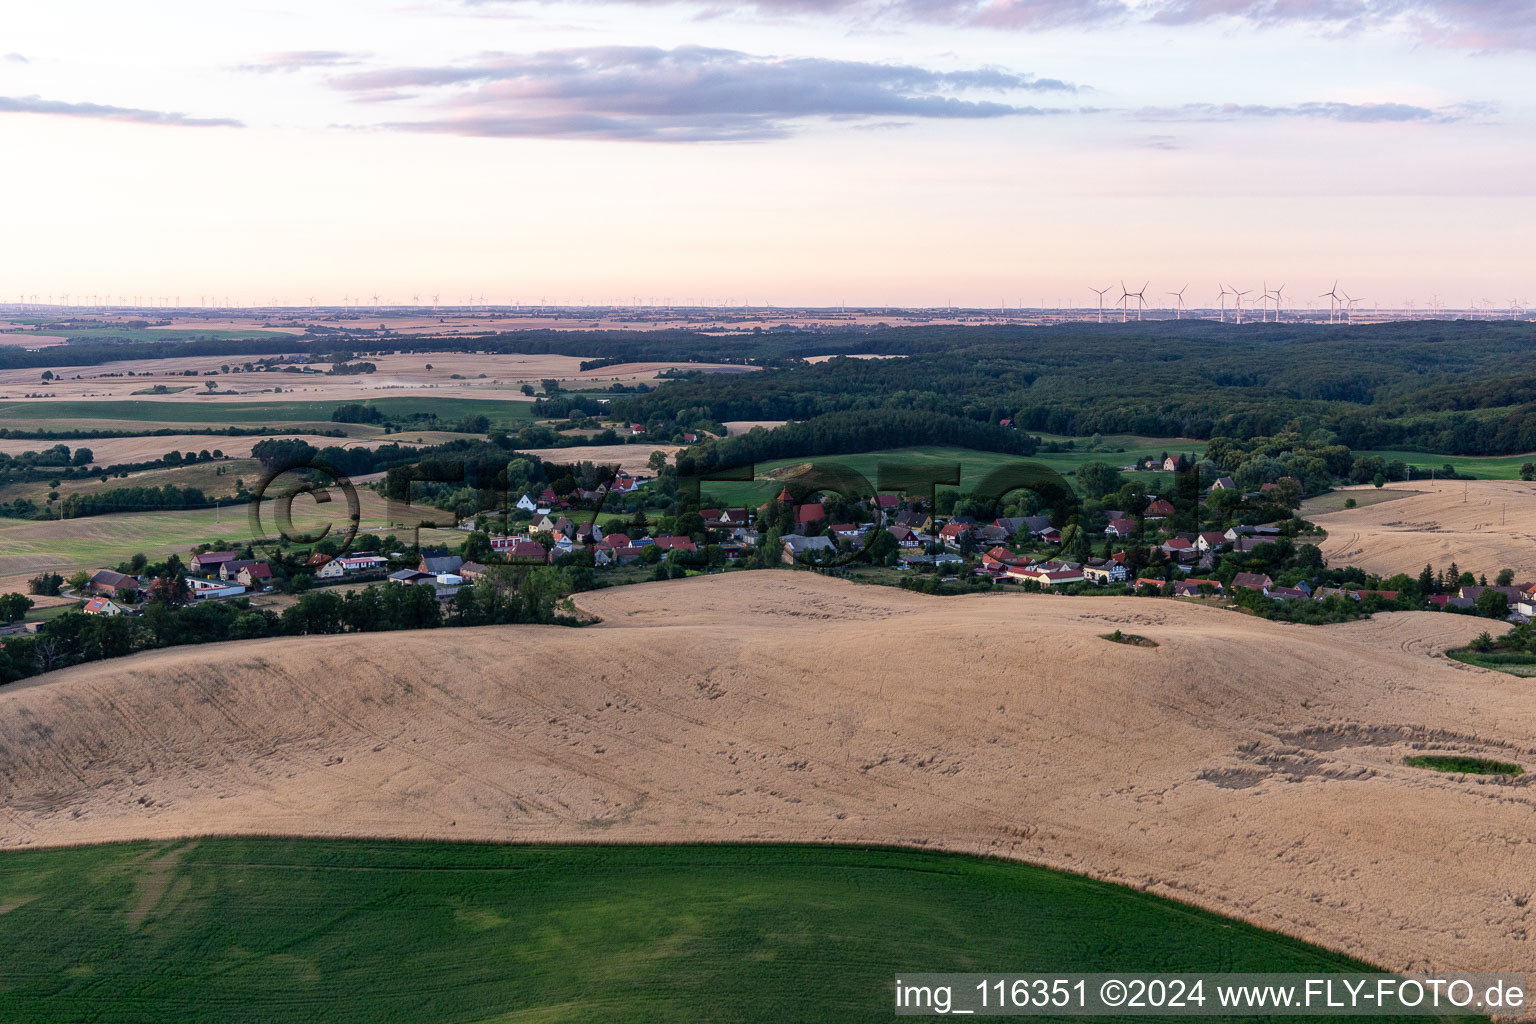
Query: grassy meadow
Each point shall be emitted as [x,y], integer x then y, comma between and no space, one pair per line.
[974,465]
[234,930]
[1483,467]
[28,546]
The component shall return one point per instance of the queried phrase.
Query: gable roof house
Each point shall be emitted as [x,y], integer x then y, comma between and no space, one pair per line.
[102,606]
[209,561]
[1252,581]
[1101,572]
[1211,540]
[110,583]
[437,563]
[254,574]
[953,532]
[1161,508]
[794,545]
[1224,483]
[1120,528]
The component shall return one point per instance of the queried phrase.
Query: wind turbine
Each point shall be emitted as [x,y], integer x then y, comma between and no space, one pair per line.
[1100,292]
[1277,294]
[1240,295]
[1140,297]
[1223,297]
[1349,309]
[1178,307]
[1332,295]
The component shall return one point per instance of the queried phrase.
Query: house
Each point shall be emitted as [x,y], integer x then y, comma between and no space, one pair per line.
[848,531]
[112,584]
[527,504]
[1191,588]
[1161,508]
[1243,545]
[102,606]
[689,438]
[1178,547]
[1512,594]
[887,503]
[1104,572]
[1143,582]
[616,540]
[1006,423]
[917,522]
[203,590]
[207,562]
[1046,576]
[1171,464]
[953,532]
[636,428]
[667,542]
[410,576]
[1287,594]
[1120,528]
[472,571]
[1224,483]
[588,533]
[795,546]
[734,517]
[1211,540]
[1251,531]
[1050,535]
[256,574]
[437,562]
[906,536]
[330,569]
[1252,581]
[624,554]
[362,563]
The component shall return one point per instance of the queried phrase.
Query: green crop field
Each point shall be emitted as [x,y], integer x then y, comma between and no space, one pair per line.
[974,465]
[233,930]
[276,411]
[1483,467]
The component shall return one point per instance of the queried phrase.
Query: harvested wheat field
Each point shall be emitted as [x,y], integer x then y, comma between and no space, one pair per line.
[631,458]
[1246,766]
[1481,525]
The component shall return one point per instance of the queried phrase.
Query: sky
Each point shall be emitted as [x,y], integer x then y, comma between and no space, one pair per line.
[789,152]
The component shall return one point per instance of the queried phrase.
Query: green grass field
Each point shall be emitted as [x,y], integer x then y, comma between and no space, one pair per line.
[1484,467]
[30,546]
[974,465]
[238,930]
[215,413]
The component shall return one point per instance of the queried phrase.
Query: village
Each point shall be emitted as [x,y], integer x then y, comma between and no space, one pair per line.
[1167,547]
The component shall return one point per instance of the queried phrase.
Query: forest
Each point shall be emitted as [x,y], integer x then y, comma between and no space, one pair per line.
[1447,387]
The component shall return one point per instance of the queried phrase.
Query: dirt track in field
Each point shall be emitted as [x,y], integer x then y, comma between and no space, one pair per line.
[1246,766]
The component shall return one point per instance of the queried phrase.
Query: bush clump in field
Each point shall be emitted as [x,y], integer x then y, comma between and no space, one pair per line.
[1117,637]
[1463,764]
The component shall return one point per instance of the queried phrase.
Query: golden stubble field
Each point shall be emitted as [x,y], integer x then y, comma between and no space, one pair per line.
[1246,766]
[452,374]
[1481,525]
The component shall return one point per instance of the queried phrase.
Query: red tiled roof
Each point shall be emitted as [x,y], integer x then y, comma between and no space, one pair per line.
[810,513]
